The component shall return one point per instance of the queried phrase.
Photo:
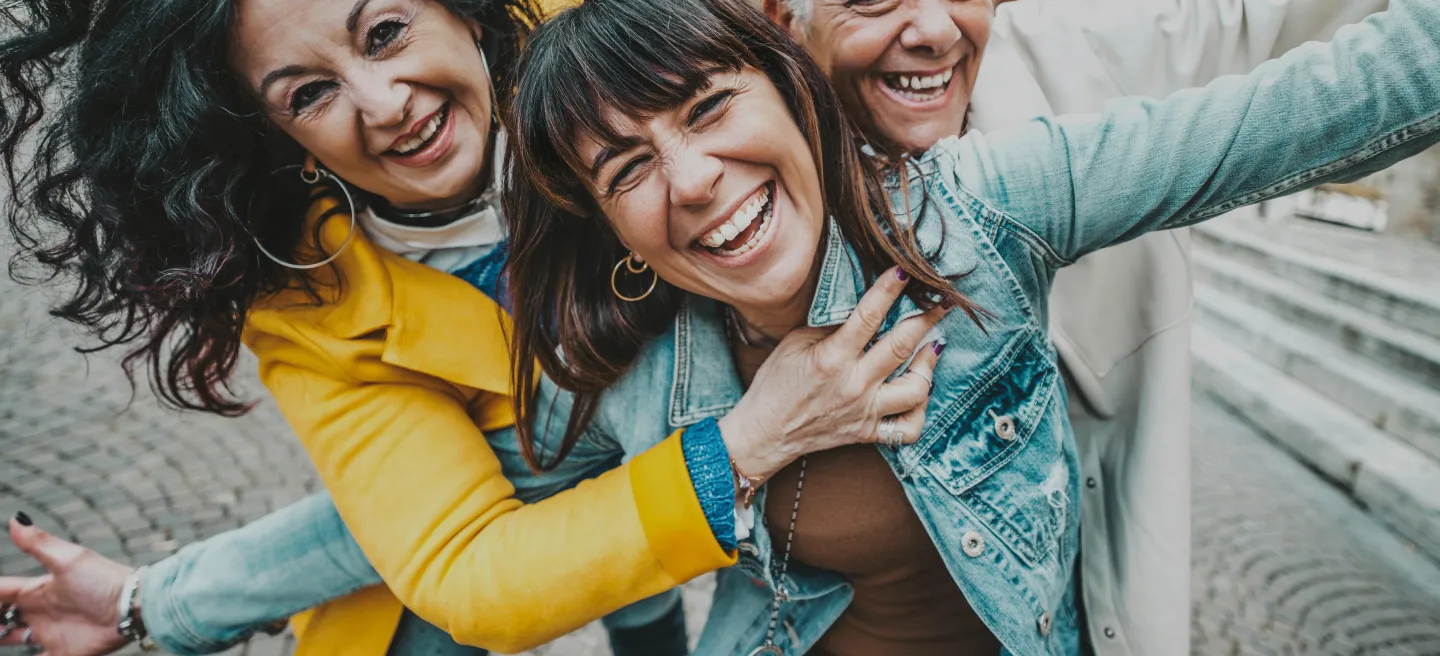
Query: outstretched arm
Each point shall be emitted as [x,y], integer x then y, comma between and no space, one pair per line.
[1082,51]
[1321,113]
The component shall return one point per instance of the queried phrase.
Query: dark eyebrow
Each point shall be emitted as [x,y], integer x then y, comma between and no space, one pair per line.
[277,74]
[609,152]
[350,23]
[354,16]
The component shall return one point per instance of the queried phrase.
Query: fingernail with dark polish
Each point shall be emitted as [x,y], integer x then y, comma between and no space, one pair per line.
[900,273]
[939,347]
[24,519]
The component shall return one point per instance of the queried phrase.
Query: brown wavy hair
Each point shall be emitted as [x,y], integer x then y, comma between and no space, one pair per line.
[642,57]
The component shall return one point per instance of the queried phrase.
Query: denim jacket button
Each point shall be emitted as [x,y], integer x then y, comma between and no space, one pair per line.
[1004,426]
[1044,624]
[973,543]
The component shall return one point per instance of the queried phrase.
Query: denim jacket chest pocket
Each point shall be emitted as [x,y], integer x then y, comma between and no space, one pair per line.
[988,444]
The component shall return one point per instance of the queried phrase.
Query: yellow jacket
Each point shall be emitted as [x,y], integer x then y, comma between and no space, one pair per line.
[389,385]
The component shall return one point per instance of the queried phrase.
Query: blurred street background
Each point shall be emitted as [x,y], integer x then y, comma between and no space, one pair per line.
[1316,436]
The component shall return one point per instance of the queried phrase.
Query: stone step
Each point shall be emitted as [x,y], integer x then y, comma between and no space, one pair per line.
[1416,307]
[1358,331]
[1388,402]
[1397,483]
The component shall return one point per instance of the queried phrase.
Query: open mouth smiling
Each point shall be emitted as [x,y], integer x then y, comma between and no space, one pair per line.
[745,228]
[919,88]
[423,138]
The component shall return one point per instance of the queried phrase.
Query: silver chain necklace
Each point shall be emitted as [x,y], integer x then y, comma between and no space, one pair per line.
[781,595]
[732,326]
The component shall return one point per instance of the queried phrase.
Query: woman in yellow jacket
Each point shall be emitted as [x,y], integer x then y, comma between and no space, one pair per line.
[315,179]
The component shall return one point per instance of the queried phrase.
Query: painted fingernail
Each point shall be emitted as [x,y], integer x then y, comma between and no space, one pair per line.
[938,346]
[900,273]
[24,519]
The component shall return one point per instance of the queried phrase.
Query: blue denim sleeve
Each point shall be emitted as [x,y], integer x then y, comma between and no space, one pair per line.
[1324,112]
[217,592]
[709,463]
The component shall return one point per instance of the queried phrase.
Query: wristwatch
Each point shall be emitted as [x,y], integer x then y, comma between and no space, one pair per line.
[131,627]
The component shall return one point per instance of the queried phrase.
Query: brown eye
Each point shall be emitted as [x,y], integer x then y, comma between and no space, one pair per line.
[307,94]
[709,105]
[382,35]
[625,172]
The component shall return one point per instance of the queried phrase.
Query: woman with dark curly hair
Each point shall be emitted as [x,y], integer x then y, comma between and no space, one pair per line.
[314,180]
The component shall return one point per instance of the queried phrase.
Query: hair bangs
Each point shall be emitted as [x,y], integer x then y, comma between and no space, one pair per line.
[605,59]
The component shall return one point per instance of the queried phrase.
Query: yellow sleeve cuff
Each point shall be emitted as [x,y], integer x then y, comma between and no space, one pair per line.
[670,513]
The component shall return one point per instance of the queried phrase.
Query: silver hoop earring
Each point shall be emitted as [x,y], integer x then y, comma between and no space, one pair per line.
[313,176]
[489,77]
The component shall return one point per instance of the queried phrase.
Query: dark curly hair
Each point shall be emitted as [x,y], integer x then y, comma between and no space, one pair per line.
[134,158]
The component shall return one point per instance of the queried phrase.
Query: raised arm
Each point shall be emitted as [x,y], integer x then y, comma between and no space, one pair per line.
[1084,50]
[1321,113]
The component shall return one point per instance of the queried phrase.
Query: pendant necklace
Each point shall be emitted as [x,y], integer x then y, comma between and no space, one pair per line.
[781,596]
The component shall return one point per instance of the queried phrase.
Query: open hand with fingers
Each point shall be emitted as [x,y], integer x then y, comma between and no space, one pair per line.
[71,610]
[822,388]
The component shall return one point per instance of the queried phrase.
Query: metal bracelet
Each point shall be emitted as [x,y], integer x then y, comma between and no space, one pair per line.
[130,626]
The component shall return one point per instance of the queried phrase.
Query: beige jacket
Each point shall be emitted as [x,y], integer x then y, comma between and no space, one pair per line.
[1121,316]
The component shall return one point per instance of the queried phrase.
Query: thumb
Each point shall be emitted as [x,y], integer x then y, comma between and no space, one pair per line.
[51,552]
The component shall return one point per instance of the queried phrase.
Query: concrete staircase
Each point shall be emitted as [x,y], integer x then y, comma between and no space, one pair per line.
[1337,363]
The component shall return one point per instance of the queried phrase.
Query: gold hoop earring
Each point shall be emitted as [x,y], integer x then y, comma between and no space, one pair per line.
[629,262]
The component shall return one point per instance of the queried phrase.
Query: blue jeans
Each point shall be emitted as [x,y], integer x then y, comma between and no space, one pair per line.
[416,637]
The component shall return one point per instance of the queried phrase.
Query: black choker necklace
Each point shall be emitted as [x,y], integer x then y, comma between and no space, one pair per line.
[428,218]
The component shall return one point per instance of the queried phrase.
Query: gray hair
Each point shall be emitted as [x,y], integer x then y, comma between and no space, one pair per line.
[802,10]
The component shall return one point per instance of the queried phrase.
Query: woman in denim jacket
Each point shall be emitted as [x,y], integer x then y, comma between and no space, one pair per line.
[694,136]
[638,146]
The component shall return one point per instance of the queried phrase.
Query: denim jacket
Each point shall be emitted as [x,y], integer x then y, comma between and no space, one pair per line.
[994,476]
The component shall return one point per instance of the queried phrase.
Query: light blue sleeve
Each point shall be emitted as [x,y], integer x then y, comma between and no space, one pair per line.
[215,593]
[595,453]
[1321,113]
[218,592]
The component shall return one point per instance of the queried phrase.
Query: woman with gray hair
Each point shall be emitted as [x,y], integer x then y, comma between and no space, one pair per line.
[913,72]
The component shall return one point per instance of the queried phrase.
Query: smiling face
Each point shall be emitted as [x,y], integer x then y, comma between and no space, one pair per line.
[391,95]
[719,195]
[904,68]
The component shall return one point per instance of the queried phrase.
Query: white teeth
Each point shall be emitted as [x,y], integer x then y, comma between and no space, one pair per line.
[425,134]
[928,86]
[738,222]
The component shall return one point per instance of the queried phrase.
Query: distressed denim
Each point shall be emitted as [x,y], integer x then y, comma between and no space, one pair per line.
[994,475]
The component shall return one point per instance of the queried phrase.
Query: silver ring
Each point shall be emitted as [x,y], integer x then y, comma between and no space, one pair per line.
[12,618]
[928,382]
[886,428]
[29,633]
[899,439]
[5,631]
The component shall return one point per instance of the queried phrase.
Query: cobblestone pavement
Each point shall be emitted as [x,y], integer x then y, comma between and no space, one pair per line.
[1283,563]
